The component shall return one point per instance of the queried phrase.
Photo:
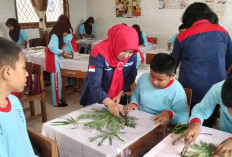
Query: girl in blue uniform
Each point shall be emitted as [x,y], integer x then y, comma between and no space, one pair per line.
[17,34]
[142,37]
[112,69]
[54,51]
[86,29]
[71,45]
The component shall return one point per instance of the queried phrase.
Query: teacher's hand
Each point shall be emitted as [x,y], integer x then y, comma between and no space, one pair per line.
[113,107]
[118,98]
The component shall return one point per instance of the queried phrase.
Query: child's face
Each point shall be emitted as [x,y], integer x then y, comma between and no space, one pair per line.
[125,54]
[18,75]
[229,110]
[160,80]
[10,27]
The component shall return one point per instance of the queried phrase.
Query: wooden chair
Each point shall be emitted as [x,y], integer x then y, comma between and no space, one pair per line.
[188,92]
[45,146]
[37,69]
[154,39]
[149,57]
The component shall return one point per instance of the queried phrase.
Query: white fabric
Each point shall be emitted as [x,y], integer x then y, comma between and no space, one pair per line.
[73,141]
[165,147]
[91,41]
[144,50]
[35,56]
[80,62]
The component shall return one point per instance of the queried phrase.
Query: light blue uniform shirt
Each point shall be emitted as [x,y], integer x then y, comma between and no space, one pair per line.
[172,40]
[82,31]
[155,101]
[67,40]
[14,139]
[205,108]
[54,47]
[145,42]
[22,37]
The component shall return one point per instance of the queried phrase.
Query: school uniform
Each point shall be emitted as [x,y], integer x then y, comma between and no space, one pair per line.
[23,38]
[205,52]
[205,108]
[99,77]
[53,53]
[107,76]
[171,98]
[14,139]
[144,39]
[82,31]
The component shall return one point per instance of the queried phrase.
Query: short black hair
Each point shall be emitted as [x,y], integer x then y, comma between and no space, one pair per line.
[182,26]
[196,11]
[226,93]
[9,52]
[214,18]
[163,63]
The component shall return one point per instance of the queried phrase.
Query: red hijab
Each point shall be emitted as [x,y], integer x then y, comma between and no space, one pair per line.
[120,38]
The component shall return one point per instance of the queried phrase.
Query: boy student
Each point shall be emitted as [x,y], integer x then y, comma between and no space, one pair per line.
[160,94]
[171,41]
[220,93]
[14,140]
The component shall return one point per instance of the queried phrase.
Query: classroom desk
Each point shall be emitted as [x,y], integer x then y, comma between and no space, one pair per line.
[89,42]
[73,140]
[35,56]
[165,147]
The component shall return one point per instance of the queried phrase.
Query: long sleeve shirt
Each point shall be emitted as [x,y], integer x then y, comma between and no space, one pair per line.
[205,108]
[99,76]
[205,52]
[14,139]
[155,101]
[22,38]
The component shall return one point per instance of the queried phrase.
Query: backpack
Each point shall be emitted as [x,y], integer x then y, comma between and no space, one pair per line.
[33,86]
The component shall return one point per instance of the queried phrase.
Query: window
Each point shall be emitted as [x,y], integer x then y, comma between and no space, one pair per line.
[27,17]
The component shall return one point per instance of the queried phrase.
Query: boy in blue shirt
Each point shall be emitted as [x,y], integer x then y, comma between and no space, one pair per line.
[14,140]
[220,93]
[160,94]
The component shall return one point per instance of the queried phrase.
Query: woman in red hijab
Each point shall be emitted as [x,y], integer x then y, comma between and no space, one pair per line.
[112,69]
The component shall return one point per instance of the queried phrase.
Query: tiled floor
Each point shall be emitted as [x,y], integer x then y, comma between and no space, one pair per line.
[54,112]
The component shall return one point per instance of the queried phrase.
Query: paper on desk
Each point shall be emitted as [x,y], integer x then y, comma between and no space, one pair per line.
[166,149]
[78,139]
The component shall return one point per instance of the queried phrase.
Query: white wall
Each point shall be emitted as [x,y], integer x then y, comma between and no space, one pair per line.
[160,23]
[77,9]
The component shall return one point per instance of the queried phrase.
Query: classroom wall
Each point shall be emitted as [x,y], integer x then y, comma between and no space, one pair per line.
[160,23]
[77,9]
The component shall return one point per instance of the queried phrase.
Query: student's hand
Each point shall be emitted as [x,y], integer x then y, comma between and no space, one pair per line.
[193,130]
[224,149]
[93,36]
[65,54]
[130,107]
[113,107]
[162,118]
[86,35]
[118,98]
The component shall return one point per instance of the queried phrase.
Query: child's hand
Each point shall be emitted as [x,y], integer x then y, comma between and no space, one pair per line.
[65,55]
[162,118]
[130,107]
[224,149]
[193,130]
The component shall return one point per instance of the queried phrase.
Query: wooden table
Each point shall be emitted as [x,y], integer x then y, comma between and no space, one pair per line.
[70,73]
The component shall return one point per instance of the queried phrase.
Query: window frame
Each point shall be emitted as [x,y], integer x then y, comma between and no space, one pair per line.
[32,25]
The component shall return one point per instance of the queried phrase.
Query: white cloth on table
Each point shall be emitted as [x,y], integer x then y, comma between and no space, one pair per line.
[165,147]
[75,142]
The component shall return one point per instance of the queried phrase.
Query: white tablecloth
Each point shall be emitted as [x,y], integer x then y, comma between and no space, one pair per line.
[35,56]
[166,149]
[144,50]
[92,41]
[80,62]
[75,142]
